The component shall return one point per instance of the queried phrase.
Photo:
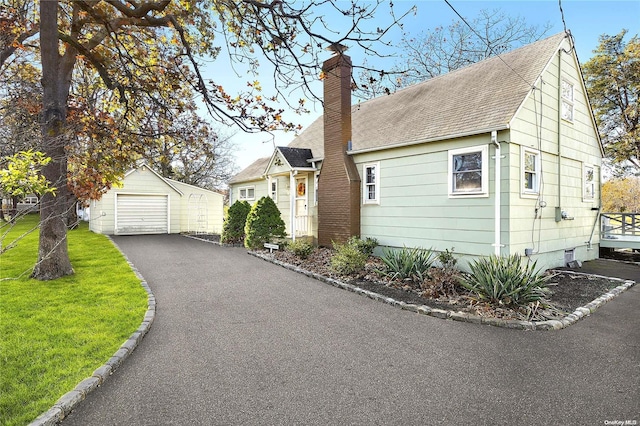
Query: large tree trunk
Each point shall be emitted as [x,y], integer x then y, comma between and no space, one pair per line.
[53,256]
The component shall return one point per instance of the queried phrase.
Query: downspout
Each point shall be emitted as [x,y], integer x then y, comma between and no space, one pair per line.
[496,244]
[559,205]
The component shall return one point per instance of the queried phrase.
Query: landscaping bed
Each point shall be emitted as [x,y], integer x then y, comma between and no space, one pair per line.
[568,290]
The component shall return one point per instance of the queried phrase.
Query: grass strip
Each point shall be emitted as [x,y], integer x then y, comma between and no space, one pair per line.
[53,334]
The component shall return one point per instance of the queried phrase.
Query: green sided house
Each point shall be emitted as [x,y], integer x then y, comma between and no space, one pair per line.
[501,157]
[147,203]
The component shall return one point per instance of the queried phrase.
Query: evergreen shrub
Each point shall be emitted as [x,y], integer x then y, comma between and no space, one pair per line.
[233,227]
[264,223]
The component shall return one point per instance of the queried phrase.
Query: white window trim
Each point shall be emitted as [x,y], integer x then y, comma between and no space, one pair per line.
[246,188]
[484,190]
[585,198]
[533,193]
[316,179]
[569,102]
[365,189]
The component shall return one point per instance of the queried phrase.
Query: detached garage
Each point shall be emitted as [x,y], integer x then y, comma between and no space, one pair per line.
[147,203]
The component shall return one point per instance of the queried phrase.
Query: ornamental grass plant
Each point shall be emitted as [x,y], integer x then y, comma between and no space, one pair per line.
[408,263]
[506,281]
[54,334]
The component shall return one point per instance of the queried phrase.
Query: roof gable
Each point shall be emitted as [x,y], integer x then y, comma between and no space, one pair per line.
[472,100]
[296,157]
[144,166]
[476,99]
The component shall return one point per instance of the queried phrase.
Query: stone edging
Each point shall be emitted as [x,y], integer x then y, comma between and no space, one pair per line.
[568,320]
[71,399]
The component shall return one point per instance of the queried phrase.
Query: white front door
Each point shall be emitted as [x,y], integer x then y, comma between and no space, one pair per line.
[301,206]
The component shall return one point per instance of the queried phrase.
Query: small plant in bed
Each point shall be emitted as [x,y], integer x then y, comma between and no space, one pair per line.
[301,248]
[407,264]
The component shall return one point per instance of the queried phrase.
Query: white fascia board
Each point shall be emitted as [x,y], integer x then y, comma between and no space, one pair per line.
[436,139]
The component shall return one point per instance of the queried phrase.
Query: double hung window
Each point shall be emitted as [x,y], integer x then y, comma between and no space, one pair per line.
[589,182]
[567,101]
[371,183]
[246,193]
[468,172]
[530,171]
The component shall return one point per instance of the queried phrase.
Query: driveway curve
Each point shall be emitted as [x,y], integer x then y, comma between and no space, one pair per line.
[240,341]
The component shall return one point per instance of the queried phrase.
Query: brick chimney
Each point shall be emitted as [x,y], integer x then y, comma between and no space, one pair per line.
[339,182]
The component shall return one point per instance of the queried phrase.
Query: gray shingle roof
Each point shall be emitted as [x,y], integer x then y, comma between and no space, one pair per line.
[296,157]
[252,171]
[481,97]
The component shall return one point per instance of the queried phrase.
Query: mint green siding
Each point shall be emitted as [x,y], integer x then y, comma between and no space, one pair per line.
[562,183]
[415,208]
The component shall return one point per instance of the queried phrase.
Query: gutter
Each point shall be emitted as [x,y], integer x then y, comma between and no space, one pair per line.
[436,139]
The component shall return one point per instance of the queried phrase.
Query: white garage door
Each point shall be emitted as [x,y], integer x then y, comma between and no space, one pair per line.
[142,214]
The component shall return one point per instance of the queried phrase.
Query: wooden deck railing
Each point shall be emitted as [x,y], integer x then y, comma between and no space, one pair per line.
[620,225]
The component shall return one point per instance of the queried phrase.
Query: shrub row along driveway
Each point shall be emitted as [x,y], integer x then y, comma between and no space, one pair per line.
[237,340]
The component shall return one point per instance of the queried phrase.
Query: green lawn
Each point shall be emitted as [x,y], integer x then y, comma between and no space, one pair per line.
[54,334]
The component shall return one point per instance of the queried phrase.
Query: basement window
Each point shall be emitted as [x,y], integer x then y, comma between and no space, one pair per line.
[247,193]
[469,172]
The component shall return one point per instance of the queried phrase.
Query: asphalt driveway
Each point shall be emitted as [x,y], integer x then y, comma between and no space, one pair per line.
[239,341]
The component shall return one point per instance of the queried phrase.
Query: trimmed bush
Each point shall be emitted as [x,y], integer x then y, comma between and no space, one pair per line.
[233,228]
[365,246]
[263,224]
[408,263]
[300,247]
[347,259]
[447,259]
[506,281]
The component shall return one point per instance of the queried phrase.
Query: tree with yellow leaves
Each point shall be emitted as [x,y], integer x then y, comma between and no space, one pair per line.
[150,53]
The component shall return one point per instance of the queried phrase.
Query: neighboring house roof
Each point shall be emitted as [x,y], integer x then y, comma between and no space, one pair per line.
[252,172]
[477,99]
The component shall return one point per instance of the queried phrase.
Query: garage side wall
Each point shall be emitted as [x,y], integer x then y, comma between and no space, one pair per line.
[201,211]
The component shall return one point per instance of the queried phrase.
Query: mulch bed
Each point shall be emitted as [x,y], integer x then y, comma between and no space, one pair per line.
[568,291]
